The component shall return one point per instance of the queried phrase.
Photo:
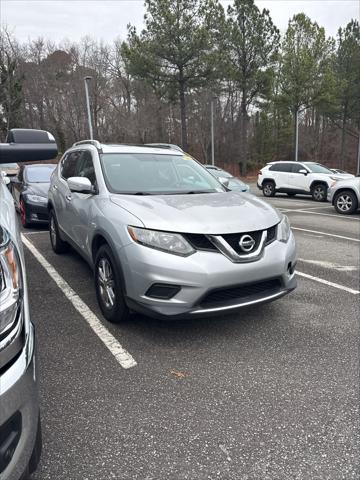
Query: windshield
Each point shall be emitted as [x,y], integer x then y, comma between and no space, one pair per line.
[39,174]
[220,173]
[236,184]
[317,168]
[151,173]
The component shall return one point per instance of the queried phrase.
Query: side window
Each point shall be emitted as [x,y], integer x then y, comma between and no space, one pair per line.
[297,167]
[86,167]
[70,164]
[281,167]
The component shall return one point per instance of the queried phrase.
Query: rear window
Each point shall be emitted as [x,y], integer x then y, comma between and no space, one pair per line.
[39,174]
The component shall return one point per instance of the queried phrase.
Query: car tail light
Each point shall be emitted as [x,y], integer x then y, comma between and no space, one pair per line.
[260,172]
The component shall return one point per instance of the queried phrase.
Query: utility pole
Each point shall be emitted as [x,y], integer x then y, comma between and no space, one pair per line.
[212,132]
[86,81]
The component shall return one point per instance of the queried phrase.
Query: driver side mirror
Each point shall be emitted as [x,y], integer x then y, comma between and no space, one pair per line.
[303,171]
[224,181]
[80,185]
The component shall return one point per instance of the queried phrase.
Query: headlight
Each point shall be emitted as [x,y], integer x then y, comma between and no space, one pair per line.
[284,230]
[36,199]
[11,284]
[165,241]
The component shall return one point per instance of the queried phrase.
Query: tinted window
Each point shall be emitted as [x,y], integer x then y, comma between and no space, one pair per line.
[152,173]
[70,164]
[86,167]
[39,174]
[281,167]
[296,168]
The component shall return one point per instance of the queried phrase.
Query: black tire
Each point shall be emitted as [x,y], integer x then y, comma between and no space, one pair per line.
[268,189]
[291,194]
[345,202]
[319,192]
[58,245]
[23,214]
[108,286]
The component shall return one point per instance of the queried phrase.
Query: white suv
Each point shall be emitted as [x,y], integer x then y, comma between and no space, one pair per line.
[307,178]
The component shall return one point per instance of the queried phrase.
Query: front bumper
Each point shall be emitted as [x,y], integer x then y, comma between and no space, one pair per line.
[36,212]
[200,274]
[19,399]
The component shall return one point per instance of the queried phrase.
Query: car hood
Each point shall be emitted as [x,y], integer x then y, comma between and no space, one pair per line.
[213,213]
[40,189]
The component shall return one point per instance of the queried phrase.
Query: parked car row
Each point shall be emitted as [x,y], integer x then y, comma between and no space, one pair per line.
[340,188]
[20,425]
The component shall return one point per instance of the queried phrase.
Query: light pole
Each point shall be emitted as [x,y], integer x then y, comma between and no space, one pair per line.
[296,135]
[212,131]
[86,81]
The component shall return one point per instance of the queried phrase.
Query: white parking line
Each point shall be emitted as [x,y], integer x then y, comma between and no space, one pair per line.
[331,265]
[326,282]
[327,234]
[122,356]
[344,217]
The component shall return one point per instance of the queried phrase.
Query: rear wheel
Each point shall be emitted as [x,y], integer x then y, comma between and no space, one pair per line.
[318,192]
[345,202]
[268,189]
[108,287]
[23,216]
[58,245]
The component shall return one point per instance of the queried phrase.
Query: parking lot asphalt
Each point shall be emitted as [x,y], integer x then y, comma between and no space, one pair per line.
[270,393]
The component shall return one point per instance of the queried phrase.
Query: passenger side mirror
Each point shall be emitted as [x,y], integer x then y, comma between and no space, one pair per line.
[303,171]
[224,181]
[27,145]
[80,185]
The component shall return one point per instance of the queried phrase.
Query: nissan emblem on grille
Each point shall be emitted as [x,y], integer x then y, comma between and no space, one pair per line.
[246,243]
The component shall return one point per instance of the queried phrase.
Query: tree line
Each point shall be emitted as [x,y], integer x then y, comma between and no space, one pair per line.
[158,85]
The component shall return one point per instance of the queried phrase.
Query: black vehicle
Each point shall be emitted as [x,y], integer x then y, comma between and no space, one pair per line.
[30,189]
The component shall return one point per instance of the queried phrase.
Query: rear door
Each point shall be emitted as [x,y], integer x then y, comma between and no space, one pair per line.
[280,172]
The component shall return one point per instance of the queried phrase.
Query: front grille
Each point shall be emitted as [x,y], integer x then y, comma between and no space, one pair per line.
[233,240]
[271,234]
[200,242]
[241,292]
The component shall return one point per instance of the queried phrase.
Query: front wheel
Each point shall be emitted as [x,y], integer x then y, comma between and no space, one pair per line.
[58,245]
[268,189]
[318,193]
[345,202]
[108,287]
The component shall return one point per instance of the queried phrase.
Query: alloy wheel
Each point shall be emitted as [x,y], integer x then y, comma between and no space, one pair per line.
[106,283]
[52,230]
[319,193]
[344,203]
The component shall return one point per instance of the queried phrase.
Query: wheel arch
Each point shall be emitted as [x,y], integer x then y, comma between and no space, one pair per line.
[345,189]
[102,238]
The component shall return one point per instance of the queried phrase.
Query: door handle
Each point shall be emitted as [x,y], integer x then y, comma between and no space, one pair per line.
[55,187]
[68,198]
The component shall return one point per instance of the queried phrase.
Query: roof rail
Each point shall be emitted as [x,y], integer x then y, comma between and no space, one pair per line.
[96,143]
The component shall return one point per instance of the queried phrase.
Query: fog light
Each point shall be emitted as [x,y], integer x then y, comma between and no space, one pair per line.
[162,291]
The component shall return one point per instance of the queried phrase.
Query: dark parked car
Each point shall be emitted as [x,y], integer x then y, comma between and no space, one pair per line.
[234,183]
[30,190]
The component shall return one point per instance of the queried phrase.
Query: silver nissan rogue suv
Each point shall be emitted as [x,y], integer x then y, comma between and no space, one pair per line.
[163,236]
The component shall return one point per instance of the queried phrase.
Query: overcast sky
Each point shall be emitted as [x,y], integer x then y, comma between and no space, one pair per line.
[107,19]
